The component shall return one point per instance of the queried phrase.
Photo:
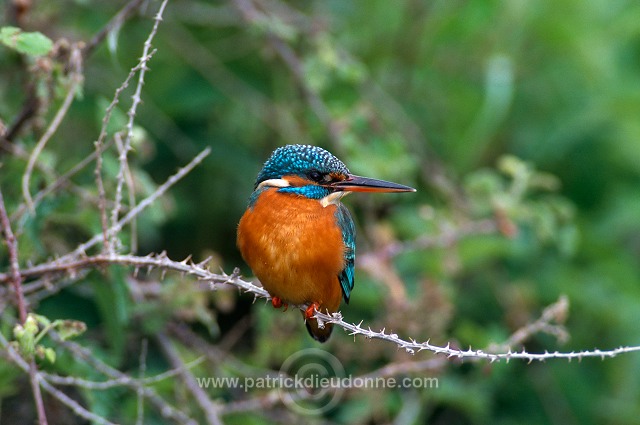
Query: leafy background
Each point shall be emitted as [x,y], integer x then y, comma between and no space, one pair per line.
[517,122]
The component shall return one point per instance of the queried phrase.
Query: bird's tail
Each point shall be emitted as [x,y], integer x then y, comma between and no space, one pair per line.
[318,333]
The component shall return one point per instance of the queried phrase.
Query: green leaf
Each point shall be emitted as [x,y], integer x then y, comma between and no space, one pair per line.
[28,43]
[70,328]
[50,355]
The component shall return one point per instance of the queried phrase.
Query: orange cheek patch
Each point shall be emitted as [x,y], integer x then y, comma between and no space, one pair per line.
[297,181]
[338,177]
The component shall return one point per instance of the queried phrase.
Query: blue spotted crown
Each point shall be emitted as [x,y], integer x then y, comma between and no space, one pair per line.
[299,160]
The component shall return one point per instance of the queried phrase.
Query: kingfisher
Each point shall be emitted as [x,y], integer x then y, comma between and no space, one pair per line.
[296,235]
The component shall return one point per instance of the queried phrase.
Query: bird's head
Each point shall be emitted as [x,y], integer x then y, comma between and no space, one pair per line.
[315,173]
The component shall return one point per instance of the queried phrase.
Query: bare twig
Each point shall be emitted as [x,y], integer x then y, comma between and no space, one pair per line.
[550,322]
[211,409]
[75,407]
[102,196]
[58,183]
[448,235]
[166,410]
[123,381]
[394,369]
[75,80]
[143,370]
[128,178]
[216,355]
[134,212]
[100,147]
[41,381]
[16,281]
[37,394]
[14,276]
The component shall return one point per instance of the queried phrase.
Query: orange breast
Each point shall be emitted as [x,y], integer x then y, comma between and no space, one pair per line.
[294,246]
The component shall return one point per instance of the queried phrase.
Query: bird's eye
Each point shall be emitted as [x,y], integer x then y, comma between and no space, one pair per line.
[315,175]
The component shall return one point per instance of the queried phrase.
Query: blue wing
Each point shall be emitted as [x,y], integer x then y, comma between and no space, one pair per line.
[349,239]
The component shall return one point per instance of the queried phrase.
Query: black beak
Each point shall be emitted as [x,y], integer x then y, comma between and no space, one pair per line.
[365,184]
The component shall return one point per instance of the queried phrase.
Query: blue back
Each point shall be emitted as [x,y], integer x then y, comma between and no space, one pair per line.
[346,276]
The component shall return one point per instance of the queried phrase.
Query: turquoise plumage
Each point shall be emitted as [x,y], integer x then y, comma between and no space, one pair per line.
[347,275]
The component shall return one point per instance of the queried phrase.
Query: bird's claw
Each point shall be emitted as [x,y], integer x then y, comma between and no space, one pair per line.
[277,303]
[311,310]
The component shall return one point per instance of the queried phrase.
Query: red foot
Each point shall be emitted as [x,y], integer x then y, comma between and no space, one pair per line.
[311,310]
[277,303]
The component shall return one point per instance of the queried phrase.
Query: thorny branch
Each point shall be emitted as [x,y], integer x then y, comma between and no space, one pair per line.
[201,272]
[136,100]
[100,146]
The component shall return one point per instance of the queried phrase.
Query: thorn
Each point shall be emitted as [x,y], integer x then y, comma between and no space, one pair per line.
[204,262]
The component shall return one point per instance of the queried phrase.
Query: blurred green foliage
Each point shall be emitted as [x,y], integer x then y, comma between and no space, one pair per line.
[521,114]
